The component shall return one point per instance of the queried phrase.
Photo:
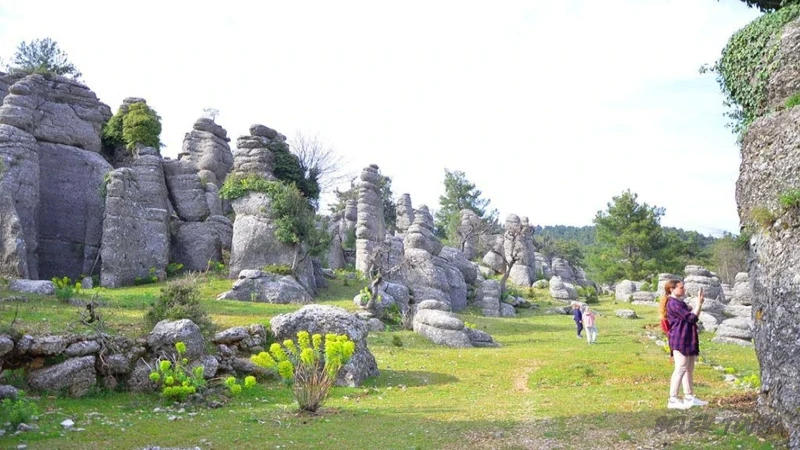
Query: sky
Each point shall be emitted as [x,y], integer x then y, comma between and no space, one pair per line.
[550,107]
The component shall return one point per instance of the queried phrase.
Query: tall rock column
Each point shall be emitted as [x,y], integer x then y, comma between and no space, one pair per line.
[370,229]
[254,242]
[136,226]
[19,203]
[405,214]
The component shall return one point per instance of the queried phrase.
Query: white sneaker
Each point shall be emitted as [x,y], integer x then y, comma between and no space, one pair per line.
[674,403]
[694,401]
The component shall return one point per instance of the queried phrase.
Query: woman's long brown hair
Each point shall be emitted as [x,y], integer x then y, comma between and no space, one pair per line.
[668,287]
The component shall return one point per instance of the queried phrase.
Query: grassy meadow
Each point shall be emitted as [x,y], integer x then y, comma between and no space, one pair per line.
[543,388]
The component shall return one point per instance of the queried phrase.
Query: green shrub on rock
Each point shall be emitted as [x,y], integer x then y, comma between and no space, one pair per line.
[179,299]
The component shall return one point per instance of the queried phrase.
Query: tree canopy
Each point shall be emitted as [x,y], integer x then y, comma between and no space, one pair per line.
[460,193]
[43,56]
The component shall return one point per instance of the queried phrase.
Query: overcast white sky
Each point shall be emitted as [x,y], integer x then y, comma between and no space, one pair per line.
[550,107]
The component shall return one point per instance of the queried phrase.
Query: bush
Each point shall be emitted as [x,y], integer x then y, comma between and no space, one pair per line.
[310,367]
[18,410]
[278,269]
[43,56]
[179,299]
[65,288]
[133,124]
[177,380]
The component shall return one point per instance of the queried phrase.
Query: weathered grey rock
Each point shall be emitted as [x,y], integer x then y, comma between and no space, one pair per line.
[742,294]
[139,380]
[644,296]
[207,147]
[82,348]
[375,325]
[626,314]
[38,287]
[370,227]
[480,338]
[335,250]
[224,228]
[420,233]
[56,110]
[19,203]
[467,268]
[729,340]
[742,277]
[624,290]
[48,345]
[742,311]
[433,304]
[662,281]
[231,336]
[561,290]
[195,244]
[441,328]
[75,375]
[350,215]
[563,270]
[405,214]
[488,298]
[494,257]
[542,266]
[433,277]
[6,345]
[329,319]
[398,292]
[253,154]
[709,322]
[507,310]
[87,283]
[213,200]
[255,244]
[167,333]
[258,286]
[210,366]
[319,277]
[135,241]
[186,191]
[8,392]
[541,284]
[71,210]
[699,277]
[736,328]
[770,166]
[470,229]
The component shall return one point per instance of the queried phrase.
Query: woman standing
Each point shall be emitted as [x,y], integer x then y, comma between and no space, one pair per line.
[683,342]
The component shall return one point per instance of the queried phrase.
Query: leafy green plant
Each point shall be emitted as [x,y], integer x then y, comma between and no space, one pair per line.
[215,267]
[152,277]
[177,380]
[278,269]
[397,341]
[236,388]
[750,382]
[310,367]
[365,295]
[793,101]
[763,216]
[173,269]
[747,62]
[730,370]
[349,239]
[179,299]
[470,325]
[65,288]
[790,199]
[18,410]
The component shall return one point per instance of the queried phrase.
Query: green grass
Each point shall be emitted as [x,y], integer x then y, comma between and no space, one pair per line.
[543,388]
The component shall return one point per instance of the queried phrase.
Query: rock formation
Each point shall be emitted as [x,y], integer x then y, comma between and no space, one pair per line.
[254,242]
[405,214]
[49,149]
[207,147]
[370,229]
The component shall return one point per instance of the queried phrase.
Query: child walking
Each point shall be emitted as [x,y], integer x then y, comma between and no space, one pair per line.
[577,317]
[590,324]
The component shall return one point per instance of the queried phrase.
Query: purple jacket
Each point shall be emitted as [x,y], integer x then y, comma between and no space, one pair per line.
[682,328]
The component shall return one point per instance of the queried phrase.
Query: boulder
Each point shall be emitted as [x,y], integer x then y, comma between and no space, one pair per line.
[167,333]
[38,287]
[257,286]
[330,319]
[75,375]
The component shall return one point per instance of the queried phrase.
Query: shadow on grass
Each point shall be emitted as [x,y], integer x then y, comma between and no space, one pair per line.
[410,378]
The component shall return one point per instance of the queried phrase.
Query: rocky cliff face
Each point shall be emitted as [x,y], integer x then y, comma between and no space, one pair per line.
[53,173]
[770,168]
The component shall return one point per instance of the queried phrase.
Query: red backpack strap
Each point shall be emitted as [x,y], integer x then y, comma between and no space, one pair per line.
[665,325]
